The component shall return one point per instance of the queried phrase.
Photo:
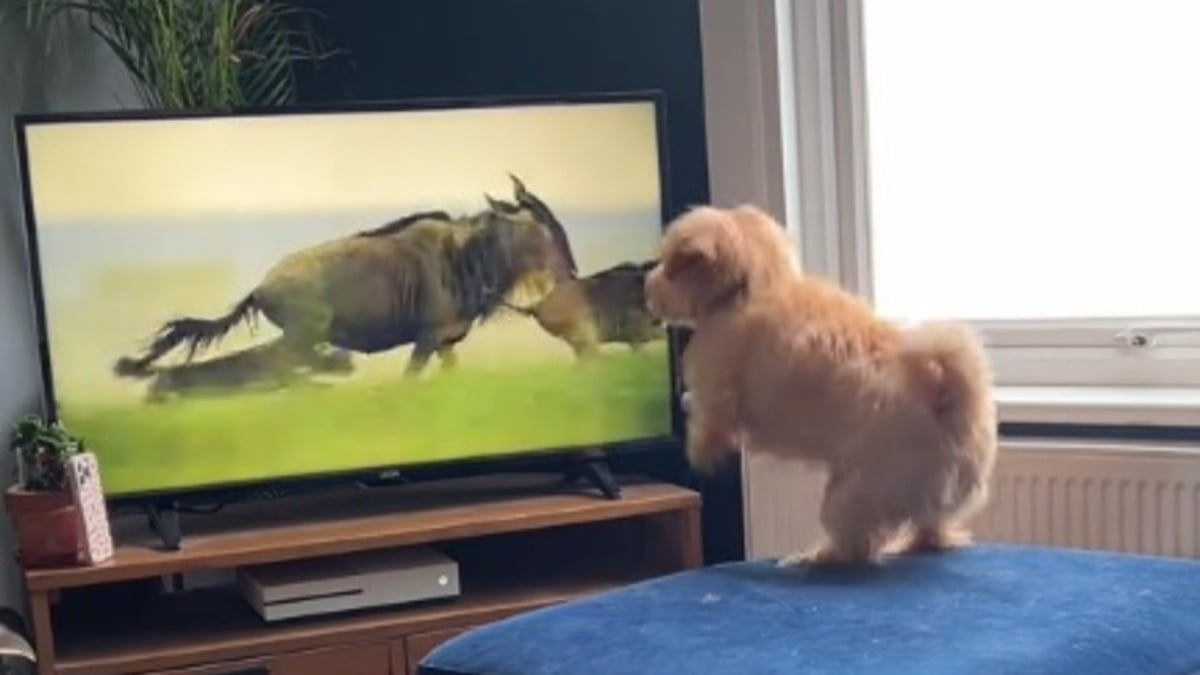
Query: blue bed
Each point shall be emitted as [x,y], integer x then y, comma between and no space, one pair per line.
[986,610]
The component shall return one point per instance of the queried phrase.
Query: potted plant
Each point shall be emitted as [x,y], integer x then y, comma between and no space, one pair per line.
[189,54]
[40,504]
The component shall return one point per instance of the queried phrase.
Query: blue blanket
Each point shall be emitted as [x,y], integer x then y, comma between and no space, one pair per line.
[989,610]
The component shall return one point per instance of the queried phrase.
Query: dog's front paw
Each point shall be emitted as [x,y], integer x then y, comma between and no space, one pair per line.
[703,459]
[707,450]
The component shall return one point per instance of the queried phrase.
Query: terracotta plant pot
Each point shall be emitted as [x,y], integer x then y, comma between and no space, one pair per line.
[47,526]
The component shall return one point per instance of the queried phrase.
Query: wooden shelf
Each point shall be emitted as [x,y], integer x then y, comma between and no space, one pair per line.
[346,522]
[521,543]
[219,625]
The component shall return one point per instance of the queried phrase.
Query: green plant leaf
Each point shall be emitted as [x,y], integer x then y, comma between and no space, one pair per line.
[197,53]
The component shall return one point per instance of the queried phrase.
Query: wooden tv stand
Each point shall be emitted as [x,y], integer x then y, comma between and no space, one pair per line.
[521,543]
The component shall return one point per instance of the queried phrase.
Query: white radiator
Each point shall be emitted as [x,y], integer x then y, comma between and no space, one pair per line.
[1132,498]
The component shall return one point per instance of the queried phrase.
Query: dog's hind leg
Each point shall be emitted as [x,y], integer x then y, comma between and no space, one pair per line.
[938,537]
[945,529]
[857,524]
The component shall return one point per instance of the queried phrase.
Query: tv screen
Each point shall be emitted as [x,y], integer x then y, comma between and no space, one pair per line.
[241,298]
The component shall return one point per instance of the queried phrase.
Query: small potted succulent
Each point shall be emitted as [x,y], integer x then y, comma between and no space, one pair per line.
[40,504]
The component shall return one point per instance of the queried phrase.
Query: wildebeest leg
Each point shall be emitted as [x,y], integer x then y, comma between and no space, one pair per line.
[440,341]
[156,392]
[305,320]
[445,350]
[585,350]
[422,351]
[447,356]
[326,358]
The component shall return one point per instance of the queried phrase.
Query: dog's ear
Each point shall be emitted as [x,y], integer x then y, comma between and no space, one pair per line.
[691,256]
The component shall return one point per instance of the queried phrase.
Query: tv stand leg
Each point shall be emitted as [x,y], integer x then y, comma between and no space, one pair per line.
[597,473]
[164,520]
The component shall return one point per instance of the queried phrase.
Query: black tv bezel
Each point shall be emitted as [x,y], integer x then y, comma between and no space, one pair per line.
[534,459]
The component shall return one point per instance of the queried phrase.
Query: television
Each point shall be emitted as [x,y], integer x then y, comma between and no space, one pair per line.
[233,299]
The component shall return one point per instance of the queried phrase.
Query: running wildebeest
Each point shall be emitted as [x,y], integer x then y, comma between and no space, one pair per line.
[606,307]
[422,280]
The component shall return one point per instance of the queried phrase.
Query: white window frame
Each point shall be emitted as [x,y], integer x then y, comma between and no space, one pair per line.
[786,115]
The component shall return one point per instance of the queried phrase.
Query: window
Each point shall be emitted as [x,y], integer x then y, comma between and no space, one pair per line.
[1051,149]
[1029,165]
[1026,165]
[1033,166]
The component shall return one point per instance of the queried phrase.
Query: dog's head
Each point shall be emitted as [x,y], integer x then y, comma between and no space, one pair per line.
[712,257]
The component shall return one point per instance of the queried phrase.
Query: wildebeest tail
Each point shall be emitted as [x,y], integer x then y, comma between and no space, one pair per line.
[195,334]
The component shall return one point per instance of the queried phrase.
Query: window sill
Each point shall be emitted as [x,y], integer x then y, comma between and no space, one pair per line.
[1110,406]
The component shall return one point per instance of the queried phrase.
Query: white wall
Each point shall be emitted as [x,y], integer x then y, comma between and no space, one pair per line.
[66,70]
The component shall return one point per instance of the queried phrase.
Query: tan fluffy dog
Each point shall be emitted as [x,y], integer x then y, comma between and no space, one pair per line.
[782,363]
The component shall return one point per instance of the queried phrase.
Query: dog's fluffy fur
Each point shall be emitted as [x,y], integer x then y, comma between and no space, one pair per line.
[783,363]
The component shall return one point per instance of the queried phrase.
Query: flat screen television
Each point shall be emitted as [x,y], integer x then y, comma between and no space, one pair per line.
[234,299]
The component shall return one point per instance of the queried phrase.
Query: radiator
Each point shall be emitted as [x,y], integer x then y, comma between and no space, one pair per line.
[1113,497]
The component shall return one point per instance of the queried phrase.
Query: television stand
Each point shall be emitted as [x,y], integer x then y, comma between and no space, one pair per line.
[521,541]
[164,521]
[596,472]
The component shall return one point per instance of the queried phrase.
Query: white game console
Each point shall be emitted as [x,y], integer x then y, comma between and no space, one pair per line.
[354,581]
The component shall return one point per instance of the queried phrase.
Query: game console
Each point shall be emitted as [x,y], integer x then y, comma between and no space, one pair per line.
[300,588]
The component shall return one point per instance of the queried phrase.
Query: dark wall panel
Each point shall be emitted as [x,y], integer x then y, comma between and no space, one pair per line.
[451,48]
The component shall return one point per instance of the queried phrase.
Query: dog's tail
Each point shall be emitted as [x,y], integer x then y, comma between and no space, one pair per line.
[951,370]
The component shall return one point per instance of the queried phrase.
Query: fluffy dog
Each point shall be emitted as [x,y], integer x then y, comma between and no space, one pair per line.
[783,363]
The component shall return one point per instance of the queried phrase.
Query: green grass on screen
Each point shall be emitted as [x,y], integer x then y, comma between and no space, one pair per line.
[347,425]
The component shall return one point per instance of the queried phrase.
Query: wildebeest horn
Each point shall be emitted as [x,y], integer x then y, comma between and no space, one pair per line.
[493,203]
[518,187]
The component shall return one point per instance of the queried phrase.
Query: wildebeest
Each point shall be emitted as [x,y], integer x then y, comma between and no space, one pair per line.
[606,307]
[422,280]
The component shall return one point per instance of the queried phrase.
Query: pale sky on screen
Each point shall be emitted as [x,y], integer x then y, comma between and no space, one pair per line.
[577,157]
